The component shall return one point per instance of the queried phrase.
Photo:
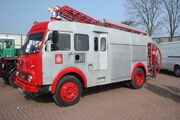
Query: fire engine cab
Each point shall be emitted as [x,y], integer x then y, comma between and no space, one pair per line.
[63,57]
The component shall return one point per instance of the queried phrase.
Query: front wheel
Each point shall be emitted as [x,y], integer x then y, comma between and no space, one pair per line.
[68,91]
[138,79]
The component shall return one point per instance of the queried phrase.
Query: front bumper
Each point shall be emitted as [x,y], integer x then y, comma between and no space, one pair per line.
[32,88]
[26,87]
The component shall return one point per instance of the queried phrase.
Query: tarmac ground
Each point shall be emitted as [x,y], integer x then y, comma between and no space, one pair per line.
[159,99]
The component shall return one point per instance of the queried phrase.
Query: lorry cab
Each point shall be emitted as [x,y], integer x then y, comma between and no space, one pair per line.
[55,48]
[30,61]
[7,47]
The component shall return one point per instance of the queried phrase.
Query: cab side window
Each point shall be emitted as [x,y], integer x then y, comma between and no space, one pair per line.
[7,44]
[81,42]
[63,43]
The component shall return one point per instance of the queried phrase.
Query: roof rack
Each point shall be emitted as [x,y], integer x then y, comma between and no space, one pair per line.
[71,14]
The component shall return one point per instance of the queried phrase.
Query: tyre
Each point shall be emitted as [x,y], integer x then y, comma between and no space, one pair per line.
[11,79]
[177,71]
[6,80]
[68,91]
[138,79]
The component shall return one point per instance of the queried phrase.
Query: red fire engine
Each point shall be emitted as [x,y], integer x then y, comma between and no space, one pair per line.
[63,57]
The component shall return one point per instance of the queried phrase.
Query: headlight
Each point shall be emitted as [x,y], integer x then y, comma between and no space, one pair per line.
[30,78]
[2,65]
[17,73]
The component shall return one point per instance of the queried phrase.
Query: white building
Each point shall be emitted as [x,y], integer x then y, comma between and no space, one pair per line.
[19,39]
[165,39]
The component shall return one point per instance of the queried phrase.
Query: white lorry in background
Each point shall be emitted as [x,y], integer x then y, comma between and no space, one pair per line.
[171,56]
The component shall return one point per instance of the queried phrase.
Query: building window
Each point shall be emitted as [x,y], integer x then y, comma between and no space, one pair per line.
[81,42]
[103,44]
[96,44]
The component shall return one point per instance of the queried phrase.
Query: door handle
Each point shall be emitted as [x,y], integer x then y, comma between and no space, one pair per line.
[70,53]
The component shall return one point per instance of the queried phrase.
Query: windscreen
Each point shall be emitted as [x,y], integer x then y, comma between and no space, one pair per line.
[33,43]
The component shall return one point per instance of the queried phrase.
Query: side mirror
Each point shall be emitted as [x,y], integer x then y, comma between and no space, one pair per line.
[55,37]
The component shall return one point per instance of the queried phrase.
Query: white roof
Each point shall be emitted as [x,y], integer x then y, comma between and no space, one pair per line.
[6,38]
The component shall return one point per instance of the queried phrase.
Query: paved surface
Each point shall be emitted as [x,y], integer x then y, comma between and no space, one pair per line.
[159,99]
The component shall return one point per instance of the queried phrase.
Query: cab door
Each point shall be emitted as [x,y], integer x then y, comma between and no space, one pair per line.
[9,50]
[60,57]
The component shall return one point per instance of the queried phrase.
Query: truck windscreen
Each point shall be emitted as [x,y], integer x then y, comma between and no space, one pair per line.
[33,43]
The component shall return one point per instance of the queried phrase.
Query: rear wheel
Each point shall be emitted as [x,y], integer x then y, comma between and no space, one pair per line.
[138,79]
[68,91]
[177,71]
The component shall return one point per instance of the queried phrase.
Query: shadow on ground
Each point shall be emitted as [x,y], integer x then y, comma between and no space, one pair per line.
[167,73]
[177,90]
[166,93]
[104,88]
[48,98]
[43,98]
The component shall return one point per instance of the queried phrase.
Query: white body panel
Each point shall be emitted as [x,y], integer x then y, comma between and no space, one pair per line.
[123,51]
[170,55]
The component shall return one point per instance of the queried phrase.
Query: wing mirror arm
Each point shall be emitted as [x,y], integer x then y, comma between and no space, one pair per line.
[48,45]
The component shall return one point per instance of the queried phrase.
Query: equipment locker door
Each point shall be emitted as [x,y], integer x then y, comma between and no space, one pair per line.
[100,52]
[100,71]
[96,53]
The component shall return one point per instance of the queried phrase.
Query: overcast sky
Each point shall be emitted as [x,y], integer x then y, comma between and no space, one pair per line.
[17,16]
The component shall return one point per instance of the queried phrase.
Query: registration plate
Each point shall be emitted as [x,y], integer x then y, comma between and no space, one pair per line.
[22,76]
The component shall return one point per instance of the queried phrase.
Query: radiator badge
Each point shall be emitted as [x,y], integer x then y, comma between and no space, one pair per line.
[58,58]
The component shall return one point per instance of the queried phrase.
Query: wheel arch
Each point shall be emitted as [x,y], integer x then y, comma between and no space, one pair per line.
[139,65]
[176,66]
[69,71]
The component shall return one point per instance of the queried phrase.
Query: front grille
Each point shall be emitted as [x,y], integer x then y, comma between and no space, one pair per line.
[23,75]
